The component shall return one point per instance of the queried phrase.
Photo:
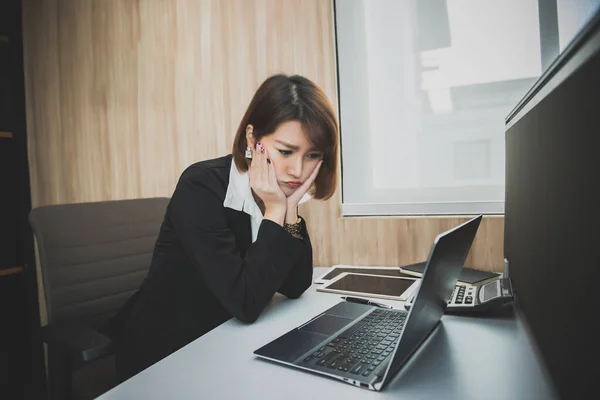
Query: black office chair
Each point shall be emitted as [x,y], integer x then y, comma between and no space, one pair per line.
[93,257]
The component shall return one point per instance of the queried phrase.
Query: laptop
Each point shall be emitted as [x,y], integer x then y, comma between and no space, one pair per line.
[365,345]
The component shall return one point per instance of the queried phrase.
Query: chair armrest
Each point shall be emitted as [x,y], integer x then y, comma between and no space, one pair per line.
[83,343]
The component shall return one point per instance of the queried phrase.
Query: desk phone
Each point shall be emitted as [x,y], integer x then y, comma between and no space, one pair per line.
[465,299]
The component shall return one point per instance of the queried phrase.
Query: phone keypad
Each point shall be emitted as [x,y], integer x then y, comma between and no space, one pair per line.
[462,295]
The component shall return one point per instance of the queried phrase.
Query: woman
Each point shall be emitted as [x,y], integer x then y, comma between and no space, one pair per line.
[231,236]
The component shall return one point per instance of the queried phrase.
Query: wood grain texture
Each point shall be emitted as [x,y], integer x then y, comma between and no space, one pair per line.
[122,95]
[11,271]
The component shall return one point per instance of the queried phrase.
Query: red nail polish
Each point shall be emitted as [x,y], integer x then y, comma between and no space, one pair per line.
[268,160]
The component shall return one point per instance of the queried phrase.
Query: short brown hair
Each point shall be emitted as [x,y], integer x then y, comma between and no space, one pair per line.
[283,98]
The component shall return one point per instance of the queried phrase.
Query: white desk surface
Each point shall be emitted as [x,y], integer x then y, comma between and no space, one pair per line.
[466,358]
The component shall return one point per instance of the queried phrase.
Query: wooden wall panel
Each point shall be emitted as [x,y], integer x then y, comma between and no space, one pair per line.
[122,95]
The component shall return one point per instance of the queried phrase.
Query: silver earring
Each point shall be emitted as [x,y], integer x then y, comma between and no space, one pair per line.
[248,153]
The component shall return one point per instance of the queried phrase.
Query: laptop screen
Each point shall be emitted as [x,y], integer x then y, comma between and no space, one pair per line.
[442,270]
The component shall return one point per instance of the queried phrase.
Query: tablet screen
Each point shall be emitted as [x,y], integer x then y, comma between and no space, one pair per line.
[383,285]
[374,271]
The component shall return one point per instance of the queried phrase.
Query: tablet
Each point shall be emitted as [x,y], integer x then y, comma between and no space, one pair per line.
[337,270]
[367,285]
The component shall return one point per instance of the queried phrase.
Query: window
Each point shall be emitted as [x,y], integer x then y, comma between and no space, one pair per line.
[572,15]
[424,88]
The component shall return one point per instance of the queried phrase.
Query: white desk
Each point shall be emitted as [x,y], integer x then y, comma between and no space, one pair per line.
[466,358]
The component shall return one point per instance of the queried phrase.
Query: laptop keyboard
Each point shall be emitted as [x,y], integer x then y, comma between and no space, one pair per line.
[364,346]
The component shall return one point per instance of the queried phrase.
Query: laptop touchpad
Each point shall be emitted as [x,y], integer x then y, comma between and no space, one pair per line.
[326,324]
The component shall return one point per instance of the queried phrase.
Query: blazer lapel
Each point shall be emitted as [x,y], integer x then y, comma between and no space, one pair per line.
[239,221]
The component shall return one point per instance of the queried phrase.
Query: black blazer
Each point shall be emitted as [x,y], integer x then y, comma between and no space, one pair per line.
[205,270]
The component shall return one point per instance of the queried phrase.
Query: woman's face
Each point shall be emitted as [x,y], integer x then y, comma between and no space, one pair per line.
[292,155]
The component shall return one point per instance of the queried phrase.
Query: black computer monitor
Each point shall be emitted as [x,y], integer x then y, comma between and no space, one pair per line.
[552,213]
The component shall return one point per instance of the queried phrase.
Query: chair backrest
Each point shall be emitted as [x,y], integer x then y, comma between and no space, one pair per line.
[94,256]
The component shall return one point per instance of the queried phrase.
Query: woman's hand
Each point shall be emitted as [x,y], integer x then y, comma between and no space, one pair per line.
[294,199]
[264,184]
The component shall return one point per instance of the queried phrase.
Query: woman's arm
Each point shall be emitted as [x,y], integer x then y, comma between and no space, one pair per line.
[243,285]
[301,274]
